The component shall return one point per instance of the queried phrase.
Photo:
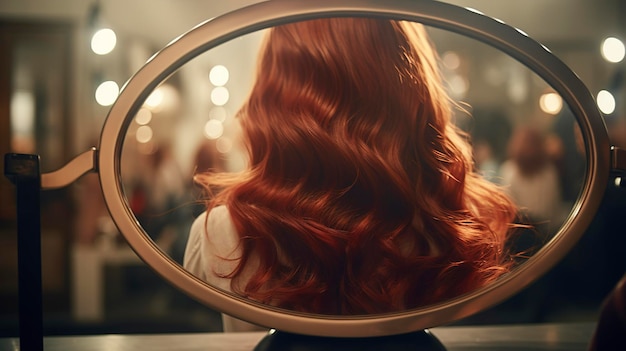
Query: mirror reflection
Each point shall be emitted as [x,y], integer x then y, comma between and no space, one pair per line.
[349,167]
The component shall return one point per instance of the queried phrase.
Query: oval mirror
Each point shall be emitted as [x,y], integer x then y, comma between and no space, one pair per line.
[165,127]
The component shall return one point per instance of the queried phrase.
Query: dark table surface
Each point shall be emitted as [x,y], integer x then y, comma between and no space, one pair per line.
[565,337]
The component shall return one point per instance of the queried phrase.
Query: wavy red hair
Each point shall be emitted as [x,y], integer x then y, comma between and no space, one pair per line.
[360,196]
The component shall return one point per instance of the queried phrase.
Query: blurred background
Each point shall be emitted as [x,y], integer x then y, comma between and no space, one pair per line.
[63,63]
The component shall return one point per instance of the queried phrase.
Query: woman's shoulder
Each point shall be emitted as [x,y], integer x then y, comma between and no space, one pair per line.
[210,219]
[218,214]
[212,250]
[217,230]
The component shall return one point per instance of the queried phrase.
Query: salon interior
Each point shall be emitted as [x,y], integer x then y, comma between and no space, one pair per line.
[65,62]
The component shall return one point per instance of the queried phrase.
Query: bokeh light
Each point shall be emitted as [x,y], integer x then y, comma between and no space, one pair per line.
[219,75]
[155,99]
[213,129]
[220,96]
[224,145]
[606,102]
[103,41]
[107,93]
[143,116]
[451,60]
[551,103]
[144,134]
[613,50]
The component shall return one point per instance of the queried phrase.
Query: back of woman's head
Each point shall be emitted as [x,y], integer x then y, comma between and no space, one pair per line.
[359,196]
[528,150]
[352,79]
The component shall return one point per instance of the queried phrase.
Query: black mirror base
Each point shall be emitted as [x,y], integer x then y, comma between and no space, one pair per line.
[419,341]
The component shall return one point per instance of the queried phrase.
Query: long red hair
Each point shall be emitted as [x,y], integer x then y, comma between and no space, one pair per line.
[359,196]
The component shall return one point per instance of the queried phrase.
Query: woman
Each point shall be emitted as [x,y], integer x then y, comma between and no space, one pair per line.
[532,179]
[359,196]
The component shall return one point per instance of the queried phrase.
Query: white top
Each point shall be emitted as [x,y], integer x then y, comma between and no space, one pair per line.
[539,194]
[212,250]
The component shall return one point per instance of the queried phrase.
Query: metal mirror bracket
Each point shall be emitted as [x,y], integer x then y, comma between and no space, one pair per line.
[81,164]
[24,172]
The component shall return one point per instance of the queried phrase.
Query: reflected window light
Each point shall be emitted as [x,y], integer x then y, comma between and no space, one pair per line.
[107,93]
[551,103]
[143,134]
[103,41]
[546,48]
[521,32]
[224,145]
[219,75]
[613,50]
[618,181]
[143,116]
[606,102]
[220,96]
[213,129]
[451,60]
[474,10]
[219,113]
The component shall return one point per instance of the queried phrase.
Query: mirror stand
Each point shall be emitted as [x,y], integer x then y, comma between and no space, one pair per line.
[24,172]
[421,340]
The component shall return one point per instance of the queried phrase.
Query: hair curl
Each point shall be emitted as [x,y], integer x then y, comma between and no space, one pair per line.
[359,196]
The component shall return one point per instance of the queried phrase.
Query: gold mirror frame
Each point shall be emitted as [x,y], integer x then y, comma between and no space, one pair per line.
[433,13]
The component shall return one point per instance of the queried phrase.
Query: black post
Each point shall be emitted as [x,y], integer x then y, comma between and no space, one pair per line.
[23,171]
